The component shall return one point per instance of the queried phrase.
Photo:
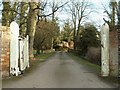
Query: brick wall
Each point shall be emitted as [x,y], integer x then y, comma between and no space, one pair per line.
[113,53]
[5,50]
[119,51]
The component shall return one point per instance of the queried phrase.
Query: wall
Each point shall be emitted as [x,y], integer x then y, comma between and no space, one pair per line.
[113,53]
[5,50]
[119,50]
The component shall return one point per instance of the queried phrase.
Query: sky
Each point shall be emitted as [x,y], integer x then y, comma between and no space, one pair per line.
[95,17]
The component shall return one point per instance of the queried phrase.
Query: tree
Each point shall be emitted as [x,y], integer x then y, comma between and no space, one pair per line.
[6,14]
[31,25]
[9,12]
[113,6]
[23,7]
[56,8]
[43,36]
[17,12]
[32,20]
[88,38]
[56,33]
[111,14]
[79,11]
[118,14]
[67,33]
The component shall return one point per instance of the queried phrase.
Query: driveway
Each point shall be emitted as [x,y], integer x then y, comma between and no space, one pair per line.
[59,71]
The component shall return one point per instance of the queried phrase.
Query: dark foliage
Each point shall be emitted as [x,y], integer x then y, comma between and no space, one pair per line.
[88,38]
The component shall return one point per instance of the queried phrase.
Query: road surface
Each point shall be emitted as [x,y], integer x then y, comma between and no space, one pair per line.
[60,71]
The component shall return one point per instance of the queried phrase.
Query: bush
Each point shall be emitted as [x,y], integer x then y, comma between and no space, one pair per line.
[94,55]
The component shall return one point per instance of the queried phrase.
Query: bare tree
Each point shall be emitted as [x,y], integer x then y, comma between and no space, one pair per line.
[51,5]
[15,12]
[111,14]
[55,6]
[79,10]
[118,14]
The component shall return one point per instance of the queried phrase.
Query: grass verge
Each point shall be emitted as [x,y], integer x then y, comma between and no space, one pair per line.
[93,68]
[43,56]
[85,63]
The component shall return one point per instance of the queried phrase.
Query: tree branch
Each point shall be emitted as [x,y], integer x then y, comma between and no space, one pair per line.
[22,24]
[106,21]
[13,11]
[55,10]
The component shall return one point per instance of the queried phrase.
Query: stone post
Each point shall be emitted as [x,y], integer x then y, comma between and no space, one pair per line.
[105,50]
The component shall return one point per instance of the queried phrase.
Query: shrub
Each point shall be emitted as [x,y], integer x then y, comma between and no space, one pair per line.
[94,55]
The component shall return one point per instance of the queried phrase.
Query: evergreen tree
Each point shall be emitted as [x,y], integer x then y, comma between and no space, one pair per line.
[88,38]
[67,33]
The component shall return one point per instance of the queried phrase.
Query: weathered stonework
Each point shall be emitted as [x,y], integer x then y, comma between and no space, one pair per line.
[5,50]
[113,53]
[119,52]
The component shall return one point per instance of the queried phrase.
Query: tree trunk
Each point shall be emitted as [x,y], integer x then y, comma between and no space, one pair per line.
[113,14]
[74,38]
[38,52]
[74,35]
[31,28]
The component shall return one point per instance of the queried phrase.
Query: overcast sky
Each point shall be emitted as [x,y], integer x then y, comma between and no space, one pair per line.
[95,17]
